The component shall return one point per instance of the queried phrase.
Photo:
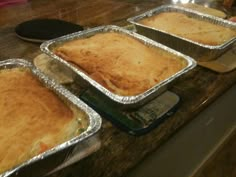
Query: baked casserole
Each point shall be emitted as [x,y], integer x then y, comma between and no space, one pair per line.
[190,28]
[120,63]
[33,118]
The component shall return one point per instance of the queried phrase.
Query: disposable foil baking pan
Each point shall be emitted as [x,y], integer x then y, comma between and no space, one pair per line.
[129,101]
[45,162]
[198,51]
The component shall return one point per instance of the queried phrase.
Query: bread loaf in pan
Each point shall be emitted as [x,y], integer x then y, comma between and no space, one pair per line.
[120,63]
[193,29]
[201,36]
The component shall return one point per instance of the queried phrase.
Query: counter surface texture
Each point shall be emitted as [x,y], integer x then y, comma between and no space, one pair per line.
[119,151]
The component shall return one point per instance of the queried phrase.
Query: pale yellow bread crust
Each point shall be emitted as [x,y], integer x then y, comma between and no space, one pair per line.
[190,28]
[120,63]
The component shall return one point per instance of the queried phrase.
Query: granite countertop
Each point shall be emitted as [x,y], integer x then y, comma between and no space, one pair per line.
[119,151]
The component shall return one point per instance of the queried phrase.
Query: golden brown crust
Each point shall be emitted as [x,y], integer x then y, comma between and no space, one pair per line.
[32,118]
[190,28]
[120,63]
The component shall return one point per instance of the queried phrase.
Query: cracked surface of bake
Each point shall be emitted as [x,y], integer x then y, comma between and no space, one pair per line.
[120,63]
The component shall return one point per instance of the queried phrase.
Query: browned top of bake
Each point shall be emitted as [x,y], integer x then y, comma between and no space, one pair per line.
[190,28]
[32,118]
[120,63]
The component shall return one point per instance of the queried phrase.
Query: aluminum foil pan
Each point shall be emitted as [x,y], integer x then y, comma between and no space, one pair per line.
[45,162]
[127,101]
[198,51]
